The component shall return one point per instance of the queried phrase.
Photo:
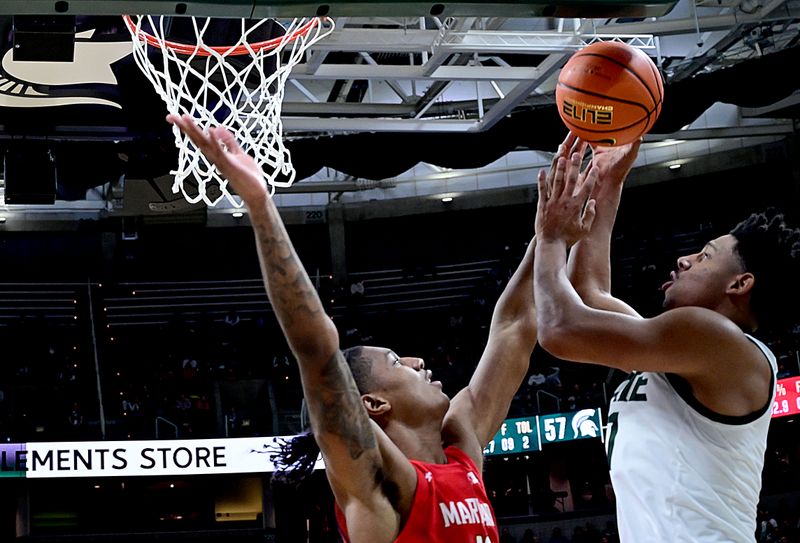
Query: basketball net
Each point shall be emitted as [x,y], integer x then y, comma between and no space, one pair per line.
[204,82]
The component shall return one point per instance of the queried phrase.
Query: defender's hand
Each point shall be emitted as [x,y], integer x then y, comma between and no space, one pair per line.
[221,148]
[565,211]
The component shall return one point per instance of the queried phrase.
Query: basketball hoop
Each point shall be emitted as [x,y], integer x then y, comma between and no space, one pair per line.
[238,86]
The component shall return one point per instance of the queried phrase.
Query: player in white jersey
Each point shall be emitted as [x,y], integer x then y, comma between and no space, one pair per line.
[687,431]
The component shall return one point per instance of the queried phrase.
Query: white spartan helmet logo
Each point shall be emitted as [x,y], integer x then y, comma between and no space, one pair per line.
[583,425]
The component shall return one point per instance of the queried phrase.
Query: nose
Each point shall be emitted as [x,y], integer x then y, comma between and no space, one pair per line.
[418,364]
[684,263]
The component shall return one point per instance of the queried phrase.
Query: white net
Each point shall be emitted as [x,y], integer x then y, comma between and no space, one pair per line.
[239,86]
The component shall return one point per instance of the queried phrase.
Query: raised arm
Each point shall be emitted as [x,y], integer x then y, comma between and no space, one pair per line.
[481,407]
[338,418]
[589,264]
[696,343]
[478,410]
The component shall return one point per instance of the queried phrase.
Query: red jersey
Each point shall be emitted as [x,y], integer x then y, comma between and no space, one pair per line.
[450,504]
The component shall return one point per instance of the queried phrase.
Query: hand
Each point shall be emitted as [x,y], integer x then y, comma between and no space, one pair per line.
[571,144]
[614,163]
[221,148]
[565,211]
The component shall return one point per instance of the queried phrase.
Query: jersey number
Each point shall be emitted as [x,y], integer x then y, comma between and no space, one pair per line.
[613,426]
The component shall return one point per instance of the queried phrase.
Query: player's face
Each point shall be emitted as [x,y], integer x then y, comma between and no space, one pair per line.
[701,279]
[406,383]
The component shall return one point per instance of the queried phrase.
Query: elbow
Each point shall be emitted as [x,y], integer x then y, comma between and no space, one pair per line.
[585,292]
[554,339]
[591,295]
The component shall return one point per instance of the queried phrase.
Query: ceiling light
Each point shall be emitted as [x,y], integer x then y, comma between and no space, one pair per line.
[674,166]
[237,214]
[447,199]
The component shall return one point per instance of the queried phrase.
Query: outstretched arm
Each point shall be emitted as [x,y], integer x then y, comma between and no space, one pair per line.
[589,264]
[338,418]
[479,409]
[482,406]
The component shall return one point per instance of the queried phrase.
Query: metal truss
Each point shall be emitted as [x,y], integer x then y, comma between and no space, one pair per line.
[435,59]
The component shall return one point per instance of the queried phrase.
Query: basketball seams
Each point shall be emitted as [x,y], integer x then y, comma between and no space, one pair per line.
[659,85]
[633,82]
[624,67]
[607,130]
[605,96]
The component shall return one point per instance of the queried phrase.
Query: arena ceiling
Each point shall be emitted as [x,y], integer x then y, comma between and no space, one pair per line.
[404,85]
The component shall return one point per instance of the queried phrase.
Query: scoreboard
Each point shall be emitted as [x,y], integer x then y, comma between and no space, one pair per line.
[530,433]
[787,398]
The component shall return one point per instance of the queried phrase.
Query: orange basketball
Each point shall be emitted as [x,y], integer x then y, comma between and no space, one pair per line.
[609,93]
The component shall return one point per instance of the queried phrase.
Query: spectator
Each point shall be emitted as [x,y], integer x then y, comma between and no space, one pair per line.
[189,365]
[202,404]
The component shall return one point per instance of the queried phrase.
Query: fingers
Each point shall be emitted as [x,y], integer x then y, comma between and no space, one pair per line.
[588,215]
[226,138]
[568,141]
[635,146]
[572,174]
[543,185]
[556,178]
[213,143]
[188,126]
[585,189]
[578,146]
[563,149]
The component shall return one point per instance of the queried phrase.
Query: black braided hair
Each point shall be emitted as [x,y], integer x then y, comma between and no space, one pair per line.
[770,250]
[294,458]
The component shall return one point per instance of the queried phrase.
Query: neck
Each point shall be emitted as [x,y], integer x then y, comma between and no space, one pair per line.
[741,316]
[423,443]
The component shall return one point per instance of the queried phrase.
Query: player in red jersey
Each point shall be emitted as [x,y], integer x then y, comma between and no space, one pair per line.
[404,460]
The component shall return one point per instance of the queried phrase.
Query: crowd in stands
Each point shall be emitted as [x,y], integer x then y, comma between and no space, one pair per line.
[779,525]
[229,373]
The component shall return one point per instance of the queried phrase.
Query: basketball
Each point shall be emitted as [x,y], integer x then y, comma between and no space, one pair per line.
[609,93]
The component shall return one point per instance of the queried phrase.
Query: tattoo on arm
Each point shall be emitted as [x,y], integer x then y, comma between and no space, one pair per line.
[333,398]
[336,408]
[290,290]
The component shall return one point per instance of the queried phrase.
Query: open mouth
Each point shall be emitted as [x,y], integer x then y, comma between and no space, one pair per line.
[429,379]
[672,278]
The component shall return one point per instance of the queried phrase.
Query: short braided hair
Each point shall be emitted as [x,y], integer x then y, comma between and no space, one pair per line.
[770,250]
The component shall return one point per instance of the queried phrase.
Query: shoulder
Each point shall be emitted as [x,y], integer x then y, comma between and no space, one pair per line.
[704,334]
[698,318]
[458,431]
[732,374]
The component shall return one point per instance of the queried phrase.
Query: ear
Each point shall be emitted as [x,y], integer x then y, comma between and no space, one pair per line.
[742,284]
[376,405]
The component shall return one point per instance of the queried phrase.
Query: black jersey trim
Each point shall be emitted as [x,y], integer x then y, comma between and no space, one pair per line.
[684,390]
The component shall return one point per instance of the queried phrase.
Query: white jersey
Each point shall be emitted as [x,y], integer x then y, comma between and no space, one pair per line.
[682,473]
